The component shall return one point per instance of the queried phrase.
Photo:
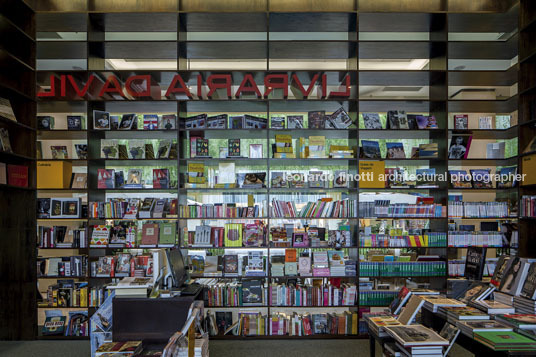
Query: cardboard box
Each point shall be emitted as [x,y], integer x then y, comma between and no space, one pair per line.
[54,174]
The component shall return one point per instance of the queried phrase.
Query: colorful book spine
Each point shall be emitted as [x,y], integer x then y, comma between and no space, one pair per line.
[480,239]
[528,206]
[376,297]
[430,268]
[430,239]
[459,209]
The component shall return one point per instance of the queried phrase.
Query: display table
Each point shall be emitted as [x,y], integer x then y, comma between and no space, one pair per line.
[150,320]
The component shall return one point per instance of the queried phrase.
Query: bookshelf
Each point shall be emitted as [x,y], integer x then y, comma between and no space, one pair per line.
[422,50]
[17,221]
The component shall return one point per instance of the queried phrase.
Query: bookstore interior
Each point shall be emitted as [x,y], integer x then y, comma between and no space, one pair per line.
[178,172]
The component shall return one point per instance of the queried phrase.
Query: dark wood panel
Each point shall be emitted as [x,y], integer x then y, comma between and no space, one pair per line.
[395,22]
[315,50]
[313,22]
[498,22]
[484,50]
[394,50]
[63,22]
[223,50]
[141,50]
[227,22]
[62,49]
[483,78]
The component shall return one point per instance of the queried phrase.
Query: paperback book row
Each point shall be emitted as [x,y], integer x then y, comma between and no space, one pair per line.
[370,149]
[331,263]
[287,235]
[230,293]
[399,119]
[13,175]
[281,324]
[315,120]
[134,208]
[224,177]
[122,265]
[138,149]
[424,268]
[384,209]
[324,208]
[251,234]
[457,267]
[461,122]
[313,179]
[376,297]
[428,239]
[481,178]
[97,295]
[61,152]
[61,237]
[479,239]
[459,209]
[75,266]
[528,206]
[57,324]
[397,177]
[230,265]
[315,294]
[104,121]
[128,235]
[66,293]
[115,179]
[313,147]
[220,210]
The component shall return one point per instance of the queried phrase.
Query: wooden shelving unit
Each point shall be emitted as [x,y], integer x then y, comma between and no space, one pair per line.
[17,220]
[436,40]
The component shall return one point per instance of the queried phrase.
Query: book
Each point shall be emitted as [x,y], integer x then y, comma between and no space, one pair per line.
[17,175]
[105,178]
[150,235]
[397,120]
[474,263]
[395,151]
[316,119]
[217,121]
[372,121]
[416,335]
[277,122]
[236,122]
[505,341]
[481,178]
[500,270]
[255,151]
[3,174]
[424,122]
[164,147]
[195,122]
[461,121]
[426,178]
[6,110]
[428,150]
[515,276]
[411,309]
[340,179]
[58,152]
[109,149]
[495,150]
[167,234]
[502,122]
[520,321]
[74,122]
[136,149]
[81,151]
[371,149]
[161,178]
[295,121]
[150,122]
[459,147]
[485,122]
[400,300]
[167,122]
[5,144]
[253,122]
[44,122]
[100,235]
[468,327]
[460,179]
[412,122]
[146,208]
[450,333]
[54,326]
[278,180]
[507,177]
[230,265]
[79,181]
[528,289]
[134,178]
[339,119]
[234,148]
[101,120]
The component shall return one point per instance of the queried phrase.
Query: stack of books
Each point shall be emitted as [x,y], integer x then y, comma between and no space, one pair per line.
[433,303]
[505,341]
[519,321]
[524,305]
[468,328]
[415,340]
[494,307]
[458,313]
[377,324]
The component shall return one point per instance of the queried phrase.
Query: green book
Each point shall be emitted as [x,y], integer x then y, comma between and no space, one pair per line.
[505,340]
[168,232]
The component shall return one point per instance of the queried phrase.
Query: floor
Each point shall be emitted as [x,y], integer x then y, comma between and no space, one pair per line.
[257,348]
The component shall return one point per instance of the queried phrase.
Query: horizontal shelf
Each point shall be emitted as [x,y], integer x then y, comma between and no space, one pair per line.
[484,162]
[15,123]
[12,187]
[10,156]
[283,307]
[483,218]
[51,190]
[509,133]
[270,247]
[491,189]
[286,337]
[484,246]
[434,218]
[61,337]
[62,277]
[402,276]
[61,248]
[60,219]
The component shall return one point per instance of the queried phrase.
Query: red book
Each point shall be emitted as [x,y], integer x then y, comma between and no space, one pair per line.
[161,178]
[150,233]
[17,175]
[106,178]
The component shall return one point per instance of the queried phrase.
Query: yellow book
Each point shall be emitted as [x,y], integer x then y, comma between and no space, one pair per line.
[83,297]
[528,167]
[316,140]
[302,148]
[283,155]
[283,143]
[54,174]
[354,323]
[375,169]
[196,172]
[412,241]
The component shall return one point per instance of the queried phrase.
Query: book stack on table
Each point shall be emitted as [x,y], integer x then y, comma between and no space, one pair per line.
[416,340]
[505,341]
[470,327]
